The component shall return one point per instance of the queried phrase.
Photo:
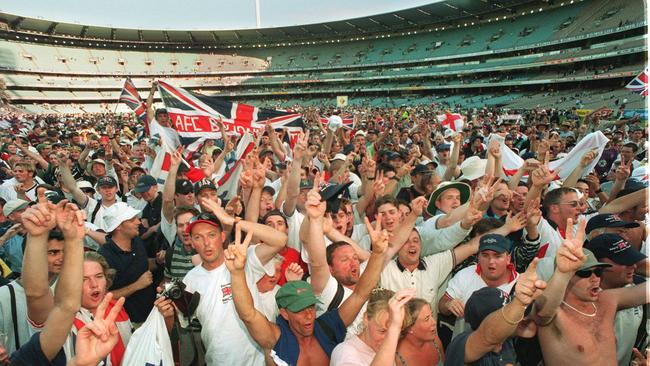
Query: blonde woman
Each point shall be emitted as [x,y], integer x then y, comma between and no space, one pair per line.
[420,344]
[382,325]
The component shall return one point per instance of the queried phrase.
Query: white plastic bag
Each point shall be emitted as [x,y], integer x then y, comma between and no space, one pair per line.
[150,344]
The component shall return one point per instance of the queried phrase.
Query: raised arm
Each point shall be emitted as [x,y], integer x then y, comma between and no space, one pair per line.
[150,113]
[30,154]
[579,170]
[451,170]
[568,259]
[169,189]
[311,234]
[293,184]
[626,202]
[401,234]
[265,333]
[350,308]
[502,324]
[67,297]
[272,241]
[385,356]
[37,220]
[70,184]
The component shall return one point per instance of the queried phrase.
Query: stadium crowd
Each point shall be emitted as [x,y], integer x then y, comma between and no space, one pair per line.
[401,240]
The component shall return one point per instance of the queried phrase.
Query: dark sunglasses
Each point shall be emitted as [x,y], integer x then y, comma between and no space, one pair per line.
[588,272]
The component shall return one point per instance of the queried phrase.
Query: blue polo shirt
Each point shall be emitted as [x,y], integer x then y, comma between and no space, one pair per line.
[130,266]
[31,354]
[287,347]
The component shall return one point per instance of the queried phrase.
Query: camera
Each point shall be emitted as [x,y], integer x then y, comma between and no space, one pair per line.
[173,290]
[186,302]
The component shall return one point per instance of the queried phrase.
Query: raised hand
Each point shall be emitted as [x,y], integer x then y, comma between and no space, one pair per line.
[301,146]
[259,174]
[623,171]
[235,255]
[396,306]
[588,157]
[70,219]
[217,210]
[40,218]
[234,206]
[97,338]
[418,205]
[471,218]
[314,206]
[531,164]
[516,222]
[378,236]
[569,255]
[494,148]
[529,287]
[542,176]
[294,272]
[533,212]
[176,157]
[406,169]
[593,182]
[379,186]
[484,193]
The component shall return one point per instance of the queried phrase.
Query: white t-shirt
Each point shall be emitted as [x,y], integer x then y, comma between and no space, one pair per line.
[293,225]
[426,281]
[99,216]
[224,335]
[463,285]
[8,192]
[352,352]
[267,304]
[626,323]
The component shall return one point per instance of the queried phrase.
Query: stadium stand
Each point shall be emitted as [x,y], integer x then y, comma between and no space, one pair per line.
[536,48]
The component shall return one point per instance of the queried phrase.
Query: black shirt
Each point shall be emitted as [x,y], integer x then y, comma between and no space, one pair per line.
[130,266]
[31,354]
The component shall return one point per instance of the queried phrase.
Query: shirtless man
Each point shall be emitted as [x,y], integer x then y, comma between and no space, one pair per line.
[575,316]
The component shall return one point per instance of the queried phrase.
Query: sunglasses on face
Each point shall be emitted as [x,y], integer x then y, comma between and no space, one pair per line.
[588,272]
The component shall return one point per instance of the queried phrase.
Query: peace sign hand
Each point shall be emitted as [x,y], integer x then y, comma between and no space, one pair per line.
[97,338]
[570,256]
[378,236]
[235,255]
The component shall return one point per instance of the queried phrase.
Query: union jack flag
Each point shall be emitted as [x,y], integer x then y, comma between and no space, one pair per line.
[640,83]
[131,97]
[348,121]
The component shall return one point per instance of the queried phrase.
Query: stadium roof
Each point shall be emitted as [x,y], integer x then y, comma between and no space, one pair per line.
[412,18]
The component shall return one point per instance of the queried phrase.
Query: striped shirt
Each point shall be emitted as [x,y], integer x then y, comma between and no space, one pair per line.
[181,261]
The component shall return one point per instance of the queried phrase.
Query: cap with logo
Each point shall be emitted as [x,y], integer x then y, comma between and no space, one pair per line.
[495,242]
[615,248]
[608,220]
[204,184]
[295,296]
[482,303]
[184,186]
[106,181]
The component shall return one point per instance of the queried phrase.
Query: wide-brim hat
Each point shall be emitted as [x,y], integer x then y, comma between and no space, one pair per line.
[464,189]
[472,168]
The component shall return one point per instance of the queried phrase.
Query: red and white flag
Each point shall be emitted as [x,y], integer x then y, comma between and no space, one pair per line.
[564,166]
[453,121]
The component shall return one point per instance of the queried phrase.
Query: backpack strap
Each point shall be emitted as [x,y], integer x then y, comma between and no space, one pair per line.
[338,297]
[93,215]
[14,315]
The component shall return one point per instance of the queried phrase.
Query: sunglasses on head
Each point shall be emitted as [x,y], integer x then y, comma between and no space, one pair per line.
[586,273]
[204,216]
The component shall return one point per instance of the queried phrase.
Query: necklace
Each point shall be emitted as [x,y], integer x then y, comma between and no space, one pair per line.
[580,312]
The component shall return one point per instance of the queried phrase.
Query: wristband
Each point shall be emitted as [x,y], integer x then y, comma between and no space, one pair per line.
[503,314]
